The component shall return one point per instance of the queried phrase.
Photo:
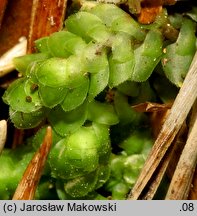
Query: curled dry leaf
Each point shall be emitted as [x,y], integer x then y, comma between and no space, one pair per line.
[157,120]
[158,113]
[151,107]
[28,184]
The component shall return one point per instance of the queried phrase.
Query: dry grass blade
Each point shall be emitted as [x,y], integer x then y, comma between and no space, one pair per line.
[28,184]
[193,189]
[6,63]
[157,177]
[170,155]
[47,17]
[3,134]
[182,178]
[159,113]
[179,111]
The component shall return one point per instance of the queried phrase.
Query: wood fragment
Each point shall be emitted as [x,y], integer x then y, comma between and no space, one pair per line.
[178,113]
[3,134]
[47,17]
[28,184]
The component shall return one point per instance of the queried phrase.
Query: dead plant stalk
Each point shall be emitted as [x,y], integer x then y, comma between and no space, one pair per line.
[179,111]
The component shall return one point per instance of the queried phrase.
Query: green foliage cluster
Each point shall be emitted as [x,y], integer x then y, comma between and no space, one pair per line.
[82,81]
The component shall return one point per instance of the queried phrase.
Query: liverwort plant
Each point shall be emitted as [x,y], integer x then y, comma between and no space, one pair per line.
[82,81]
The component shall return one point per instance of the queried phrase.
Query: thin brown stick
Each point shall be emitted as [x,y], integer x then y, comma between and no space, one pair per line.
[158,116]
[3,134]
[193,116]
[47,17]
[156,179]
[182,178]
[193,189]
[18,137]
[179,111]
[28,184]
[178,148]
